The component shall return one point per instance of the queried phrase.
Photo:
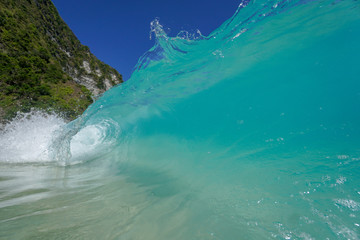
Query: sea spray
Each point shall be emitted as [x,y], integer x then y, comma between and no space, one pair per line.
[27,138]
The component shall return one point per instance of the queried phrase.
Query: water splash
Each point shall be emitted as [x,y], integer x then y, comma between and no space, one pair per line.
[28,137]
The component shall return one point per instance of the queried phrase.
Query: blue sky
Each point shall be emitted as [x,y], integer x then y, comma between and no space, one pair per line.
[117,31]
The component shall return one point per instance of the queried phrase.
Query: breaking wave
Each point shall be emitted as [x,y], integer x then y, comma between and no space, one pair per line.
[251,132]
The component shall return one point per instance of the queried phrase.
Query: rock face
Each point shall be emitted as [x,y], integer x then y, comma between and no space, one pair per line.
[42,63]
[88,80]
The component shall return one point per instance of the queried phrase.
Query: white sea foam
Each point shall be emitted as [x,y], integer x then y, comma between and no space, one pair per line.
[28,136]
[39,137]
[348,203]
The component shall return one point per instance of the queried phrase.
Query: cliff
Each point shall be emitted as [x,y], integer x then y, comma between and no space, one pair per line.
[42,63]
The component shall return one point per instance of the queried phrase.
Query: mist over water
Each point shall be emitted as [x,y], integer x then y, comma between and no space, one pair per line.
[251,132]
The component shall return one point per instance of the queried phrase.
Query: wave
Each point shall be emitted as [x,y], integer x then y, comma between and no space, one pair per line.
[181,66]
[252,131]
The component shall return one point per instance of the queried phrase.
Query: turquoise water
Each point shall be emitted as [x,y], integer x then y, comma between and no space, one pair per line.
[252,132]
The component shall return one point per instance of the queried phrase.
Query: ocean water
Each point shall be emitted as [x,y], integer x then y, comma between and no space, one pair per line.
[252,132]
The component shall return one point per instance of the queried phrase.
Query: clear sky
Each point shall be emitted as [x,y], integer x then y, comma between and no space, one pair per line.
[117,31]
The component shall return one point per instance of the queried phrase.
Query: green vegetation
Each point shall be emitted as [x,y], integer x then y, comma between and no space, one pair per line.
[39,59]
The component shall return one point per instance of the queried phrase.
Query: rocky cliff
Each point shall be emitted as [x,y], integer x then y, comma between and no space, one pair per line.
[42,63]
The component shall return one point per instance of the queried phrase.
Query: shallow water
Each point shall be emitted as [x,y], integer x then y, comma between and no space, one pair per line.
[249,133]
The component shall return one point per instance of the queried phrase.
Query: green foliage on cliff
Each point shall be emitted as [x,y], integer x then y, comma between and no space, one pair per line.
[39,59]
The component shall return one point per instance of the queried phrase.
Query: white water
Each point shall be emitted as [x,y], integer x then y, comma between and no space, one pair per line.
[28,137]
